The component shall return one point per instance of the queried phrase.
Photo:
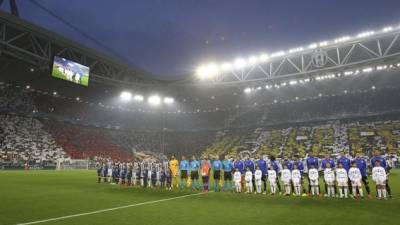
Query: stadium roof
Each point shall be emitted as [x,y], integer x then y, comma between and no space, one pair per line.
[37,46]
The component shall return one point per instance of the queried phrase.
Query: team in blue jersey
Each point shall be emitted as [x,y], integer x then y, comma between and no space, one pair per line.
[338,175]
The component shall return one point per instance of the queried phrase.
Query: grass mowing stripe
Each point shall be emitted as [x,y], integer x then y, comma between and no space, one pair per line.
[109,209]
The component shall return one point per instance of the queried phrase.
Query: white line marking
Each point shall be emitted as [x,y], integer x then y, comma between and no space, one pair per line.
[107,210]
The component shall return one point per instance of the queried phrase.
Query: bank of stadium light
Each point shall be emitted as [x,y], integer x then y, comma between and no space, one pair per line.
[126,96]
[210,70]
[253,60]
[387,29]
[342,39]
[367,70]
[323,43]
[240,63]
[383,67]
[313,45]
[278,54]
[348,73]
[168,100]
[294,50]
[154,100]
[226,66]
[365,34]
[263,57]
[138,98]
[207,71]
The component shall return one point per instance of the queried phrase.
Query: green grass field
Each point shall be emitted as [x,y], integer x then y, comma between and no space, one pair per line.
[27,196]
[56,73]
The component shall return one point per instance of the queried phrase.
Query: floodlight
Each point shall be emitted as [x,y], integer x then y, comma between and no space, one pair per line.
[154,100]
[365,34]
[226,66]
[387,29]
[240,63]
[313,45]
[367,70]
[347,73]
[138,98]
[277,54]
[263,57]
[323,43]
[207,71]
[293,50]
[126,96]
[168,100]
[342,39]
[253,60]
[247,90]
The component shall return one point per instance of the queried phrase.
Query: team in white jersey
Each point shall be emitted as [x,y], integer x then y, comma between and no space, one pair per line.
[314,177]
[329,177]
[379,177]
[272,176]
[286,177]
[258,179]
[342,179]
[296,180]
[237,179]
[355,179]
[248,178]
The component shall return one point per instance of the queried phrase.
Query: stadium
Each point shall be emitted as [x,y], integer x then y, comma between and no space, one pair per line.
[88,138]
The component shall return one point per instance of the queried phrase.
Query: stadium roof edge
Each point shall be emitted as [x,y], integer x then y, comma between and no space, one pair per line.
[50,35]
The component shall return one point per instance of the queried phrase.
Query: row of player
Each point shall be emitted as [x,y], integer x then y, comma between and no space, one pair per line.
[347,175]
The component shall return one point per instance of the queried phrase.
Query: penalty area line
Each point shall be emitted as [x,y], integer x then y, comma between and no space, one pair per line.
[109,209]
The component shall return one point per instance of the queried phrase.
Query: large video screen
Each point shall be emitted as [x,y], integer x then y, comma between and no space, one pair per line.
[71,71]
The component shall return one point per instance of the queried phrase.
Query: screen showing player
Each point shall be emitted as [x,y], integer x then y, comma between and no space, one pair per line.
[71,71]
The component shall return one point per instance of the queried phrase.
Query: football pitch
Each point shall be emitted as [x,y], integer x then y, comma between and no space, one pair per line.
[74,197]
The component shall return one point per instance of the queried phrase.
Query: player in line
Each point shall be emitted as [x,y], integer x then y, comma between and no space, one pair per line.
[329,178]
[342,181]
[314,180]
[286,177]
[296,180]
[248,177]
[355,178]
[237,179]
[380,178]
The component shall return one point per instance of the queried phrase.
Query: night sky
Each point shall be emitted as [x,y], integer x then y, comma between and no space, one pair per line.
[170,38]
